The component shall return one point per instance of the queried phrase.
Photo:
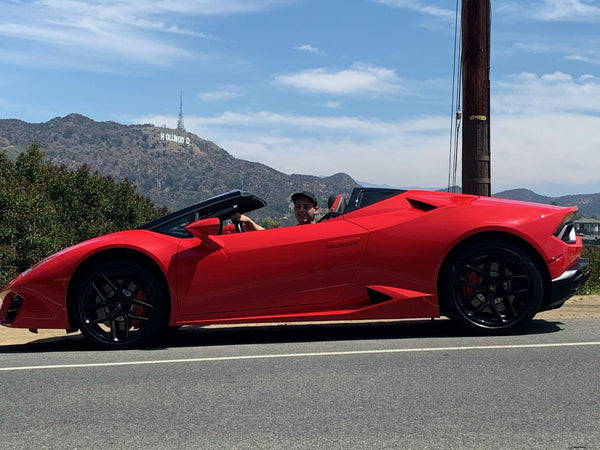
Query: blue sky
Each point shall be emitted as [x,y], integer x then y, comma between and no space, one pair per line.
[319,86]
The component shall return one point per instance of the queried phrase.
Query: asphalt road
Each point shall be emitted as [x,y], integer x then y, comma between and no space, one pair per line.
[389,385]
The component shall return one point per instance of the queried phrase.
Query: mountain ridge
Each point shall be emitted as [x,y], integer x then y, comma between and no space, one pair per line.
[587,204]
[175,168]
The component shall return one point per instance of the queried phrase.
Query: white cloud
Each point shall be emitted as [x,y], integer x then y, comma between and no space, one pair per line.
[161,26]
[545,129]
[115,9]
[594,59]
[61,32]
[359,79]
[551,10]
[420,7]
[570,10]
[400,153]
[529,93]
[308,48]
[208,7]
[529,150]
[591,54]
[215,96]
[94,32]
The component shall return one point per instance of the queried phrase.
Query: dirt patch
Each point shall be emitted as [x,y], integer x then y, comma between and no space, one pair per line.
[578,307]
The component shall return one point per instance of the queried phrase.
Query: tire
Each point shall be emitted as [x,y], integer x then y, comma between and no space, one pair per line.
[120,304]
[491,287]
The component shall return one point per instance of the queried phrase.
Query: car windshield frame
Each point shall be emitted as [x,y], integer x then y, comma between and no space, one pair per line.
[221,206]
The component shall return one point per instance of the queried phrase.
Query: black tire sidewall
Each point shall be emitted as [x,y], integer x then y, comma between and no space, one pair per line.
[448,295]
[155,325]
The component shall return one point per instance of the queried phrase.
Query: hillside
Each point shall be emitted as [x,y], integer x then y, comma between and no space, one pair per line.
[588,204]
[173,168]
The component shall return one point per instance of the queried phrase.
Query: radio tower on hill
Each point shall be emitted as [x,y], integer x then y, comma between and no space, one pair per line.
[180,125]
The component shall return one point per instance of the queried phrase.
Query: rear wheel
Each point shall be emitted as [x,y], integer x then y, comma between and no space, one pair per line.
[492,286]
[120,304]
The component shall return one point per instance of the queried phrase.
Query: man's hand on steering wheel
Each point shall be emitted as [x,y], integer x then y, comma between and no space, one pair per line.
[243,223]
[238,222]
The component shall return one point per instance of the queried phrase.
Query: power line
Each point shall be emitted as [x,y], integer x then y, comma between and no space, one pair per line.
[455,114]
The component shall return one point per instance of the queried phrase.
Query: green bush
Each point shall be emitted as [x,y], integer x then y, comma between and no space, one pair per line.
[270,223]
[44,208]
[593,283]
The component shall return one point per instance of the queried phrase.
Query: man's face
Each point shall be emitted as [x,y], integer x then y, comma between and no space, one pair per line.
[304,210]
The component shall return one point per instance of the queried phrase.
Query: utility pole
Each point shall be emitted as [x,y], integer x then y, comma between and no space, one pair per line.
[475,44]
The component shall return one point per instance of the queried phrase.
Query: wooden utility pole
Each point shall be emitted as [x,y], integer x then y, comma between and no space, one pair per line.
[475,35]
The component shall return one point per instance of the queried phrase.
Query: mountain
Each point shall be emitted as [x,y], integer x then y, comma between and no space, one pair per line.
[525,195]
[173,168]
[588,204]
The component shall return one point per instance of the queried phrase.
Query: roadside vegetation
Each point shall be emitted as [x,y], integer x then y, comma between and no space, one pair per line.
[45,208]
[593,284]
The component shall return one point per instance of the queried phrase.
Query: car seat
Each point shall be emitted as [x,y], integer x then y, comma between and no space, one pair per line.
[337,205]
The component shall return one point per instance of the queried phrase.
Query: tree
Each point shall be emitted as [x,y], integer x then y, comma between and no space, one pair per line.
[44,208]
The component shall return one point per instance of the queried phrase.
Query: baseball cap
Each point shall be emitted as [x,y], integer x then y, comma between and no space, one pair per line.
[308,195]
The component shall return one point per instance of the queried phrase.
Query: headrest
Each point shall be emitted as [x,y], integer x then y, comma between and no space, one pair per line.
[336,203]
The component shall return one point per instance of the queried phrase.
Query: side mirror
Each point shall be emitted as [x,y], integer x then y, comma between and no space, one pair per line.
[204,228]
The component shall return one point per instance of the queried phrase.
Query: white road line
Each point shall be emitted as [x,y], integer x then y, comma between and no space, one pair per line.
[299,355]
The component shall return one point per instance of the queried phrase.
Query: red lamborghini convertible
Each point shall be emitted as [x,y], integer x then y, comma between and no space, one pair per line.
[488,264]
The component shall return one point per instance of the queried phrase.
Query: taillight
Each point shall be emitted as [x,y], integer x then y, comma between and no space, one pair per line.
[566,231]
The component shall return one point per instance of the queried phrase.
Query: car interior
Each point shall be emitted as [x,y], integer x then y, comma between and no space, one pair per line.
[236,201]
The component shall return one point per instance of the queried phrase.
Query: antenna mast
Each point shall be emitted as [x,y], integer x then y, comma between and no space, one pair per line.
[180,125]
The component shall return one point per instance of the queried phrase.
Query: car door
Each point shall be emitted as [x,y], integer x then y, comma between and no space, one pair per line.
[280,270]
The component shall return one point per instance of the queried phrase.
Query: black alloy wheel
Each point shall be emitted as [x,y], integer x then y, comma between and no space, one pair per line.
[492,287]
[120,304]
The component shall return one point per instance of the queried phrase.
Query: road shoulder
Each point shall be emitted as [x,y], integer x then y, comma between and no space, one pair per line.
[578,307]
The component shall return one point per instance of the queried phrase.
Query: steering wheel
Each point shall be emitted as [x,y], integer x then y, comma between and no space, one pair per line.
[239,226]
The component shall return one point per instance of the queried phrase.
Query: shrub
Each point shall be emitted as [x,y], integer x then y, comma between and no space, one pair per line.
[44,208]
[593,283]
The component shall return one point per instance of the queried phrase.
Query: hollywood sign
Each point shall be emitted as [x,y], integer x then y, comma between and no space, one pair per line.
[174,138]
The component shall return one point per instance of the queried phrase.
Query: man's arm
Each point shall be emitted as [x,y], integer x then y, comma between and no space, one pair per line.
[248,223]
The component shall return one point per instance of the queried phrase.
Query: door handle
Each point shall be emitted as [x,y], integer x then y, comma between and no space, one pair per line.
[337,243]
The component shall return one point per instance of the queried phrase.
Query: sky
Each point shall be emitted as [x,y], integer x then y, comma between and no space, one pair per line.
[319,87]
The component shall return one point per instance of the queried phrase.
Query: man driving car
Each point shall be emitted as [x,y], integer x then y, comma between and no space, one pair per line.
[305,210]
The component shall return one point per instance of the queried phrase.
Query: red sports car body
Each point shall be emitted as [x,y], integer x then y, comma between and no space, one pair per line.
[489,264]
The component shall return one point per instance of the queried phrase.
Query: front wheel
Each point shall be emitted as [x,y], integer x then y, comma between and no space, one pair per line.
[120,304]
[491,286]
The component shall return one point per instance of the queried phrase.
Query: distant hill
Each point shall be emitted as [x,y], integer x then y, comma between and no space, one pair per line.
[525,195]
[173,168]
[588,204]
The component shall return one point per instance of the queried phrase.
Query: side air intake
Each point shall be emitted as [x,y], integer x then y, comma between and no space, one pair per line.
[377,297]
[421,206]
